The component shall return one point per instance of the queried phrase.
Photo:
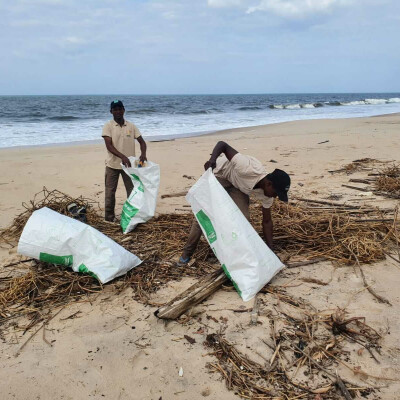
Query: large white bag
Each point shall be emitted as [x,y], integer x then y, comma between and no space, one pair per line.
[53,237]
[141,203]
[245,258]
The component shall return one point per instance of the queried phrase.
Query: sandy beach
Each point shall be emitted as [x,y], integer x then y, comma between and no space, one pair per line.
[116,348]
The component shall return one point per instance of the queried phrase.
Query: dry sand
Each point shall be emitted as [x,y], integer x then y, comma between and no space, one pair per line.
[115,348]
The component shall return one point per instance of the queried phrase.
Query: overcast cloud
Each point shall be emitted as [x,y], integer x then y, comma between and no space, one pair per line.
[199,46]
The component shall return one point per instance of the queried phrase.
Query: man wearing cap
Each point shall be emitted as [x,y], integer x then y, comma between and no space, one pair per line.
[242,175]
[119,136]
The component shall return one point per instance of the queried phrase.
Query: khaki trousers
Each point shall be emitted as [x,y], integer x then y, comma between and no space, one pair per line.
[111,183]
[241,200]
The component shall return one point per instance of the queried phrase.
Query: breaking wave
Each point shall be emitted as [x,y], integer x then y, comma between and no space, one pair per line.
[331,103]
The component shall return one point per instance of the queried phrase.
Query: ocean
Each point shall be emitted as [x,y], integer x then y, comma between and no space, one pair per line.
[43,120]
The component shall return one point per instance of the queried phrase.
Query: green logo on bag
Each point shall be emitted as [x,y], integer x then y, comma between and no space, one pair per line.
[141,186]
[83,269]
[229,276]
[128,212]
[60,260]
[207,225]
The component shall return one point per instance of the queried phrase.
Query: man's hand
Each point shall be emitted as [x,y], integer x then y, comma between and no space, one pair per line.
[210,164]
[142,158]
[126,162]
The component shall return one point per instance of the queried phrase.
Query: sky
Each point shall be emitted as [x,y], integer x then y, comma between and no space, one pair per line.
[199,46]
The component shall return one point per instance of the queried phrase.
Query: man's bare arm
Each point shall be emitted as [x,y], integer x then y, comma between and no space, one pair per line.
[220,147]
[113,150]
[267,226]
[143,149]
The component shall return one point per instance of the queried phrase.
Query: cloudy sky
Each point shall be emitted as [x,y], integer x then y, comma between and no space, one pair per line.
[199,46]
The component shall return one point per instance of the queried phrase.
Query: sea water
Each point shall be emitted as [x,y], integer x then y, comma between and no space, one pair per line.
[41,120]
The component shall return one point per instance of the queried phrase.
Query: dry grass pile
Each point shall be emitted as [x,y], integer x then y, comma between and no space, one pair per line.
[335,234]
[311,233]
[388,181]
[303,353]
[357,165]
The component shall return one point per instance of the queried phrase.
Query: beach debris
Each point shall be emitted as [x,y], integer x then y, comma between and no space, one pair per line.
[335,196]
[388,181]
[357,165]
[365,194]
[305,342]
[192,296]
[325,141]
[190,339]
[178,194]
[180,372]
[254,312]
[307,232]
[76,212]
[384,183]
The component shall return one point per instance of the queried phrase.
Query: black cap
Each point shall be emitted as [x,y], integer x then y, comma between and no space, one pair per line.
[116,103]
[281,183]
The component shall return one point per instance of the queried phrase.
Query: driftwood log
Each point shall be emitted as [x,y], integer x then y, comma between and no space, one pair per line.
[178,194]
[192,296]
[196,293]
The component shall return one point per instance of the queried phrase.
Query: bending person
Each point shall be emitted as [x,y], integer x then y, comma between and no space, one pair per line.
[242,175]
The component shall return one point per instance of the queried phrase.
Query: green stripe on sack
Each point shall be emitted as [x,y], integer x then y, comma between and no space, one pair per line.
[207,225]
[128,212]
[141,186]
[85,270]
[60,260]
[234,283]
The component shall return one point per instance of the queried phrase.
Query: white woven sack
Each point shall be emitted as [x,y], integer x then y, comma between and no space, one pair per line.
[52,237]
[245,258]
[141,203]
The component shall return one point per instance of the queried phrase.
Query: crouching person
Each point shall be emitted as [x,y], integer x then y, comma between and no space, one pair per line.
[242,175]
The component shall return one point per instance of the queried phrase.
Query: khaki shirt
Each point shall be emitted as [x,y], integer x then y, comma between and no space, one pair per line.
[244,172]
[123,139]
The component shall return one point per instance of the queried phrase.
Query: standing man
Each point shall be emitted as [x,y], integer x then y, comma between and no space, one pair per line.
[119,136]
[240,176]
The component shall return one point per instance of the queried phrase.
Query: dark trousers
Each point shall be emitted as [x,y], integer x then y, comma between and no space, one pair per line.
[111,183]
[241,200]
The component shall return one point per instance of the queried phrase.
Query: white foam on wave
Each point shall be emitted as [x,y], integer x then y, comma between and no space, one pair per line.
[307,106]
[354,103]
[394,100]
[375,101]
[292,106]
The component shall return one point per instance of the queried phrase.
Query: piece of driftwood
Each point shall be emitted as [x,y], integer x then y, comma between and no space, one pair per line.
[206,287]
[329,203]
[192,296]
[307,262]
[178,194]
[18,262]
[366,181]
[357,188]
[340,384]
[254,312]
